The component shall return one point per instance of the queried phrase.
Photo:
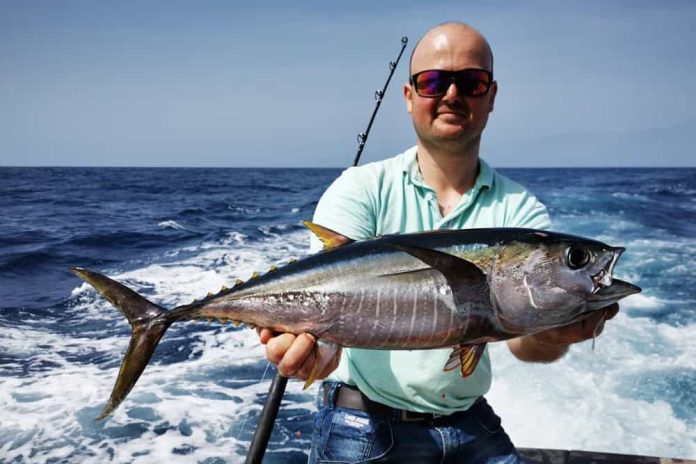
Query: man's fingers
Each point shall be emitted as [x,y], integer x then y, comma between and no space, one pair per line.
[611,311]
[264,334]
[305,368]
[598,328]
[277,347]
[297,356]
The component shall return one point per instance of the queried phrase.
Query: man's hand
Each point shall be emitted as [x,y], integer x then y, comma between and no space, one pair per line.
[293,354]
[552,344]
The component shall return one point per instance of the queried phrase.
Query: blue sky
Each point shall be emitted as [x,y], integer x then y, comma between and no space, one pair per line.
[128,83]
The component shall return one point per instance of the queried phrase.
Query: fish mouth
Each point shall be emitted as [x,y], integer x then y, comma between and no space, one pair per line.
[603,279]
[611,294]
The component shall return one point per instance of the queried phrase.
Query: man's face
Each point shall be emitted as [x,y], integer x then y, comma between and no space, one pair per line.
[452,120]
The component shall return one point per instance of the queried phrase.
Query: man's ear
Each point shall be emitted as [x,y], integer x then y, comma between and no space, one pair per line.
[408,97]
[494,91]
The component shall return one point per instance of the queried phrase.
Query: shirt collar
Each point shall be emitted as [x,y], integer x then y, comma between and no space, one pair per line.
[410,169]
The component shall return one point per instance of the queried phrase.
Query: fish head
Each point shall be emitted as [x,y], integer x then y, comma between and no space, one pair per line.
[554,281]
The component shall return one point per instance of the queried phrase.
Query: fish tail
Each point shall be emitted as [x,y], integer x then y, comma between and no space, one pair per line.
[148,323]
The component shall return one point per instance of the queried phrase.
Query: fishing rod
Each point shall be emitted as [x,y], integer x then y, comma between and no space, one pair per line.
[264,427]
[379,95]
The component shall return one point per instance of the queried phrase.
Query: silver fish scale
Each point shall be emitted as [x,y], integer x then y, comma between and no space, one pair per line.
[391,302]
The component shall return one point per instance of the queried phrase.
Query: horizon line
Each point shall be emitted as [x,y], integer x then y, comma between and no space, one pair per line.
[334,167]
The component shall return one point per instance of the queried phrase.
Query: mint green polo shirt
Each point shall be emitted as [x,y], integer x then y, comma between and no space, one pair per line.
[388,197]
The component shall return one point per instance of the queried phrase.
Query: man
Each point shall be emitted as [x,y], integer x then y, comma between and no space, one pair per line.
[399,406]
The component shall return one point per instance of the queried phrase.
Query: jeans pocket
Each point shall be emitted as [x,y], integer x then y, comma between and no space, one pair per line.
[350,436]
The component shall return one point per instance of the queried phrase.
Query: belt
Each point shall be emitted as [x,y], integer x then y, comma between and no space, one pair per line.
[348,396]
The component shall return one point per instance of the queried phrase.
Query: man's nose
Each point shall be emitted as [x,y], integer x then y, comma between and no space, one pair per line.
[452,92]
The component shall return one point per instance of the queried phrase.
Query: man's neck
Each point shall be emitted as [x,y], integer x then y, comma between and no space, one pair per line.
[446,171]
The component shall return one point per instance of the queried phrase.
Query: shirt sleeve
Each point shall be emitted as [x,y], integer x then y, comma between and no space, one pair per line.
[347,207]
[530,213]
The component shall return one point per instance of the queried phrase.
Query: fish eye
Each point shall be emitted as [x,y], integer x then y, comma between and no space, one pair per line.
[578,257]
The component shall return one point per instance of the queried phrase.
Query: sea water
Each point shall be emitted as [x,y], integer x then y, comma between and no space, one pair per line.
[176,234]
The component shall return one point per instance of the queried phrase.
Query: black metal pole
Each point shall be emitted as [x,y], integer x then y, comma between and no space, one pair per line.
[266,420]
[275,393]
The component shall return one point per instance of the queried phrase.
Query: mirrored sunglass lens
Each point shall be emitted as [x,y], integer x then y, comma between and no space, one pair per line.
[473,82]
[431,83]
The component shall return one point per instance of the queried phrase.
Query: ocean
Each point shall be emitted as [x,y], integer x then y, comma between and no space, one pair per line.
[177,234]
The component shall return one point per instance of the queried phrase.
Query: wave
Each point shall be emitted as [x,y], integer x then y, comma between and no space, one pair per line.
[171,224]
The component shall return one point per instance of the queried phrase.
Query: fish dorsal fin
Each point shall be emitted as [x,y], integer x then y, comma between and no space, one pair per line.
[466,357]
[330,239]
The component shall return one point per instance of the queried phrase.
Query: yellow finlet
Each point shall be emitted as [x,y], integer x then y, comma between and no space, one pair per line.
[312,376]
[331,239]
[255,275]
[273,268]
[238,282]
[324,355]
[224,289]
[209,295]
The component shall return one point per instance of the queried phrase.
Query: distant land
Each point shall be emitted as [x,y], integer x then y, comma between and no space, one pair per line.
[672,146]
[663,147]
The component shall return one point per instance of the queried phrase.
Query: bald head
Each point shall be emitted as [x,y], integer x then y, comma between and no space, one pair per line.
[449,38]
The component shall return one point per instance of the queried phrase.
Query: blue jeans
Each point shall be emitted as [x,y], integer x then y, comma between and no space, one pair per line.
[343,435]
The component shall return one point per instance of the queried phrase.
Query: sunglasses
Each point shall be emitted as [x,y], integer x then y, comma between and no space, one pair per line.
[435,82]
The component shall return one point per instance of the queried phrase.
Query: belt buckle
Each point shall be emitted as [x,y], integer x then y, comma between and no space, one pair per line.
[408,416]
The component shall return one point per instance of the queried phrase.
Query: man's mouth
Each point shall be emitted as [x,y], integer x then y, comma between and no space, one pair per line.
[455,114]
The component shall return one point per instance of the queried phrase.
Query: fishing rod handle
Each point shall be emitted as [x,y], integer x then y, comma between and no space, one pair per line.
[266,420]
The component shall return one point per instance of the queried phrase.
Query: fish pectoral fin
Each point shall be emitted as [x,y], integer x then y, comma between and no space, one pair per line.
[453,267]
[330,238]
[325,354]
[466,357]
[464,277]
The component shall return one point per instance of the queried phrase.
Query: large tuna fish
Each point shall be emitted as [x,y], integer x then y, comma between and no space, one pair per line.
[457,289]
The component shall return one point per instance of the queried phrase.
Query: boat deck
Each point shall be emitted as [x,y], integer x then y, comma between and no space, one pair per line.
[550,456]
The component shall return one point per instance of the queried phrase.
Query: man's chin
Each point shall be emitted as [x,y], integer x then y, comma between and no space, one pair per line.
[453,131]
[453,135]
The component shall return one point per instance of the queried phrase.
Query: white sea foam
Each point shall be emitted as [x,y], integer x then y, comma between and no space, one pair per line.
[193,410]
[171,224]
[579,403]
[49,415]
[631,196]
[643,302]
